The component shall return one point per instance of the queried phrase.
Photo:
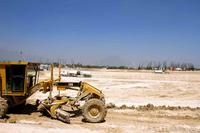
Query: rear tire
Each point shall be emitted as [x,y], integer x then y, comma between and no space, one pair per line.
[3,107]
[94,111]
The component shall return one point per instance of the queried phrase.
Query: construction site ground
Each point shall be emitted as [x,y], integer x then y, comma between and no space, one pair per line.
[138,101]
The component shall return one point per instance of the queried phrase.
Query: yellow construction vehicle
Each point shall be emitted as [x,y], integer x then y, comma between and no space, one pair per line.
[19,80]
[62,107]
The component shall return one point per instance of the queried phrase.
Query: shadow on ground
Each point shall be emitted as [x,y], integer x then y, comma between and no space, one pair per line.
[23,109]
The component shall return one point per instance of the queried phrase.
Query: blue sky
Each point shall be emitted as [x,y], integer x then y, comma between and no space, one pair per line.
[113,32]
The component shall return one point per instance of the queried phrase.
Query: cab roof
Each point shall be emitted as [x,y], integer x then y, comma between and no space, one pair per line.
[18,63]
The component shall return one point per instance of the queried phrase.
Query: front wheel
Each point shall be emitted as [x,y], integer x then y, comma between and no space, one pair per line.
[94,110]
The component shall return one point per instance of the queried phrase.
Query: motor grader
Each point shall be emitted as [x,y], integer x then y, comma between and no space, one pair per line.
[19,80]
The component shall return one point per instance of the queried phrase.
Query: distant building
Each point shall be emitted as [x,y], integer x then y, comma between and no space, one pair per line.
[179,69]
[159,71]
[44,67]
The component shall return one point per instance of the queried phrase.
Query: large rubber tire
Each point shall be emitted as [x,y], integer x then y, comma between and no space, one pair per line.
[94,111]
[3,107]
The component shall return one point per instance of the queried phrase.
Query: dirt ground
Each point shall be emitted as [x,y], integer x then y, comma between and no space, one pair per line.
[174,101]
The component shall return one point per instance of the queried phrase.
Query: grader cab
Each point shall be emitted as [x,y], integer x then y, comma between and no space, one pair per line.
[16,79]
[19,80]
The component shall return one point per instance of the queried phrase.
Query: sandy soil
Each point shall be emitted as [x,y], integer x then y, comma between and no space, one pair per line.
[129,88]
[137,88]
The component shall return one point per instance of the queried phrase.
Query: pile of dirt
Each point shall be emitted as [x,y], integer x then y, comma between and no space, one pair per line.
[150,107]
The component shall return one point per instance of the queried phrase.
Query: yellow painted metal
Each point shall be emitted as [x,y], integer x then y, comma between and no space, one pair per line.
[51,82]
[3,65]
[14,63]
[46,85]
[17,63]
[90,89]
[25,80]
[53,110]
[59,72]
[10,93]
[3,78]
[61,88]
[56,104]
[52,72]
